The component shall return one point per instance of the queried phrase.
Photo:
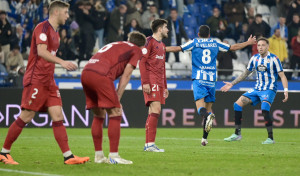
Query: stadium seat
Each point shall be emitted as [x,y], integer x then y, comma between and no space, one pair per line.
[75,73]
[242,57]
[169,72]
[264,11]
[189,20]
[185,58]
[230,41]
[180,69]
[59,70]
[190,32]
[193,9]
[238,68]
[82,64]
[25,63]
[136,72]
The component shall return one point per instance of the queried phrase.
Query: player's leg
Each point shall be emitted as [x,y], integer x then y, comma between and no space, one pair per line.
[114,132]
[61,136]
[238,112]
[265,107]
[203,112]
[13,133]
[151,127]
[97,134]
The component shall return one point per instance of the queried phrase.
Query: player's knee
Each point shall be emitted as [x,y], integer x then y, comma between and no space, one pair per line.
[267,117]
[237,107]
[265,106]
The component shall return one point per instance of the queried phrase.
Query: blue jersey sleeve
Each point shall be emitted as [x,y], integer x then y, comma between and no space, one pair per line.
[278,65]
[188,46]
[250,66]
[223,46]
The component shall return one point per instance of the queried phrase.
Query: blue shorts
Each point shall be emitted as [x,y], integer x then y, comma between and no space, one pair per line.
[204,89]
[259,96]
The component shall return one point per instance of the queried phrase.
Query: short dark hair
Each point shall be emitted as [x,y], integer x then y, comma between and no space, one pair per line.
[157,24]
[137,38]
[204,31]
[258,15]
[59,4]
[263,39]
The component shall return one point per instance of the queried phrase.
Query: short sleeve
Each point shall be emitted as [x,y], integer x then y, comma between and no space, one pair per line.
[223,46]
[251,64]
[41,34]
[135,57]
[278,65]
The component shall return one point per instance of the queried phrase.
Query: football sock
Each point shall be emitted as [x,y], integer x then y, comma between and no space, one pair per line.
[67,154]
[69,157]
[99,153]
[203,113]
[269,123]
[60,135]
[13,133]
[151,126]
[97,133]
[237,118]
[114,128]
[205,134]
[4,151]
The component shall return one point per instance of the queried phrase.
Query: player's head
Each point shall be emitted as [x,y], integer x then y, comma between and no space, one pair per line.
[262,45]
[204,31]
[160,26]
[137,38]
[59,10]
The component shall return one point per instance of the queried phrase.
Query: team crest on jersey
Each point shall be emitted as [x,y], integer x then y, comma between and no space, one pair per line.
[268,61]
[261,68]
[29,102]
[153,95]
[144,50]
[43,37]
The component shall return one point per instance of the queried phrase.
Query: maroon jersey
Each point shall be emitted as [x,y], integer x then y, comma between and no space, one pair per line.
[40,71]
[152,64]
[112,59]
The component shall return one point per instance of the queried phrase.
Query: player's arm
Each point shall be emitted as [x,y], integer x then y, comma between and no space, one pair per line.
[238,46]
[228,85]
[285,85]
[124,80]
[173,49]
[45,54]
[145,80]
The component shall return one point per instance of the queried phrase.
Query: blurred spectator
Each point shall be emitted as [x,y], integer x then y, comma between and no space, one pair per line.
[117,24]
[294,8]
[134,11]
[4,6]
[218,25]
[259,26]
[282,7]
[5,33]
[283,28]
[24,19]
[164,8]
[132,26]
[64,50]
[250,12]
[45,15]
[75,35]
[225,62]
[32,6]
[148,17]
[295,44]
[234,11]
[278,46]
[16,6]
[176,32]
[14,60]
[293,27]
[2,61]
[100,15]
[22,38]
[254,47]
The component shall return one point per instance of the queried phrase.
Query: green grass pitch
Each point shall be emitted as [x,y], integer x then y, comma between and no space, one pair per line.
[38,153]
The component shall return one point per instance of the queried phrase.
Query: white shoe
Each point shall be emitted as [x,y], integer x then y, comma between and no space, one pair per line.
[204,142]
[118,160]
[100,159]
[209,122]
[153,148]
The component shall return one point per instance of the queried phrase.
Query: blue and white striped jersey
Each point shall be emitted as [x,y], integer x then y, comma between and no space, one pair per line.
[204,57]
[267,70]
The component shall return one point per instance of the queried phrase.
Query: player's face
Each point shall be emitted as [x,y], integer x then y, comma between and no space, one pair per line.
[63,15]
[262,47]
[165,31]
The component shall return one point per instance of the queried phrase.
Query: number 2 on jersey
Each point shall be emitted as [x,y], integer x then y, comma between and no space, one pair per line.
[33,96]
[206,56]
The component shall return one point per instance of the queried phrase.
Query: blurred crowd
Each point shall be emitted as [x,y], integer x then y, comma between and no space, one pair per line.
[93,23]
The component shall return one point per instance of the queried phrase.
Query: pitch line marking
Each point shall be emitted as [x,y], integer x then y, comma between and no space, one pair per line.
[25,172]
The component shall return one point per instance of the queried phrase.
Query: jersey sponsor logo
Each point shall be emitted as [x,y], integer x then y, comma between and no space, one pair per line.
[159,57]
[43,37]
[261,68]
[207,67]
[144,51]
[208,73]
[92,61]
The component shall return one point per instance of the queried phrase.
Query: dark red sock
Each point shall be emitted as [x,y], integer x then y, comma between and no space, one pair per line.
[152,125]
[97,133]
[60,135]
[14,131]
[114,128]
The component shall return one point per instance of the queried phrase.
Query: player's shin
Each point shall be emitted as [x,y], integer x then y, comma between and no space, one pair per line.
[61,138]
[151,127]
[97,132]
[238,110]
[203,114]
[114,128]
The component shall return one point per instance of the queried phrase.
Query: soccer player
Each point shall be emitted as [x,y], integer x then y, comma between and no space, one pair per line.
[40,93]
[153,79]
[204,56]
[98,76]
[268,68]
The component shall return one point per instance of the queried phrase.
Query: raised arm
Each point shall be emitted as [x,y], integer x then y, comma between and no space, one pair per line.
[285,85]
[173,49]
[228,85]
[238,46]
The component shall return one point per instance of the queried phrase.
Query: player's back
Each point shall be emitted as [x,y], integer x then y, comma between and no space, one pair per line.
[112,59]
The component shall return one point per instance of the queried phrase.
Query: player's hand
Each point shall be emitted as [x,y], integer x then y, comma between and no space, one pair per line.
[226,87]
[252,40]
[166,93]
[146,88]
[286,96]
[69,65]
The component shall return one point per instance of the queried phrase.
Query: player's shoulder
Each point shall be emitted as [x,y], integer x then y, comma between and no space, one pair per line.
[42,27]
[149,41]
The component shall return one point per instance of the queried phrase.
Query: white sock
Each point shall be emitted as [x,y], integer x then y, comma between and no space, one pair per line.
[67,154]
[5,150]
[113,154]
[149,144]
[99,153]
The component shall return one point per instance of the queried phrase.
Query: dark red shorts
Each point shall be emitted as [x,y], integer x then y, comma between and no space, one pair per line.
[99,91]
[39,97]
[156,94]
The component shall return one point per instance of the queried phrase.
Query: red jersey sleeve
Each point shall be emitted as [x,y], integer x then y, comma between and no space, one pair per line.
[144,72]
[41,35]
[135,57]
